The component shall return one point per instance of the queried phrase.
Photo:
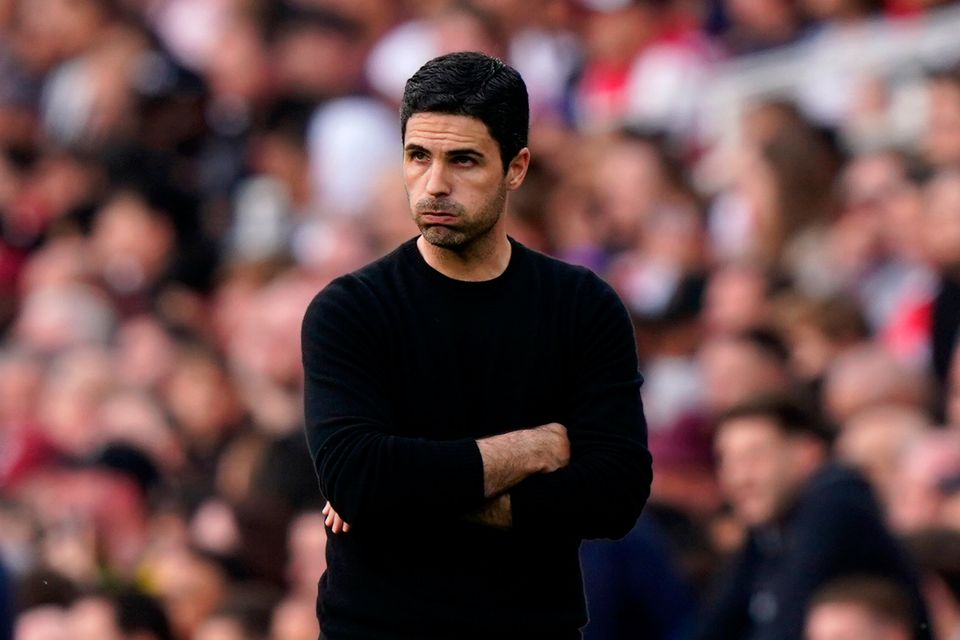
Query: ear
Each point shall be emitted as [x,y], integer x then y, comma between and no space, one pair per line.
[517,170]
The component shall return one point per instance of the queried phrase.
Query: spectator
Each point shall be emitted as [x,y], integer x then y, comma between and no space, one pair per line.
[867,376]
[740,366]
[926,480]
[942,244]
[809,521]
[818,331]
[941,139]
[874,441]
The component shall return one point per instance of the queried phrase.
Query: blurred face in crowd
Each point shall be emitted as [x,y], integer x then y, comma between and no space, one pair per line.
[764,16]
[70,398]
[316,62]
[307,542]
[191,588]
[42,623]
[734,370]
[294,619]
[735,299]
[851,621]
[144,353]
[200,396]
[455,180]
[628,181]
[867,376]
[762,468]
[927,477]
[93,619]
[132,244]
[941,141]
[66,26]
[874,440]
[942,221]
[876,187]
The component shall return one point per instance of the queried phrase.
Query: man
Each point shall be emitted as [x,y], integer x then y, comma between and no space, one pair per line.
[472,406]
[860,608]
[809,522]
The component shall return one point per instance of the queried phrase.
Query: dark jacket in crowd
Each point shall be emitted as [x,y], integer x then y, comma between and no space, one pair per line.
[834,529]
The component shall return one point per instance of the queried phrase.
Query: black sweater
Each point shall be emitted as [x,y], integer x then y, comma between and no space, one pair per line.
[405,368]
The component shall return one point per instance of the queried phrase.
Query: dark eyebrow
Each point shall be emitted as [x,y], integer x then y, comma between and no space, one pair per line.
[465,152]
[412,147]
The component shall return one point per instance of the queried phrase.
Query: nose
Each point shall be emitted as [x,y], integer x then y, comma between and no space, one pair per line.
[438,183]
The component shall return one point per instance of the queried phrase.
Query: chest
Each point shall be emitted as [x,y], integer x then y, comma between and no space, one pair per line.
[469,368]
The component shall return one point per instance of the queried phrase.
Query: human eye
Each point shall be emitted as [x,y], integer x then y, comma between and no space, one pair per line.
[417,155]
[464,160]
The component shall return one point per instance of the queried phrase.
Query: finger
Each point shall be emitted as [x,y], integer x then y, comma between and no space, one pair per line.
[337,524]
[329,519]
[326,509]
[346,527]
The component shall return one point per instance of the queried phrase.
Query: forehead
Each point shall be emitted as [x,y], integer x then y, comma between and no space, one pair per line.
[748,431]
[445,130]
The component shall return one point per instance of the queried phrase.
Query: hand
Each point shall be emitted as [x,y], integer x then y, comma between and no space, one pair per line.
[553,446]
[334,521]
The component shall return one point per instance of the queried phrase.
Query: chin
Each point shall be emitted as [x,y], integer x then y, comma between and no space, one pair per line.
[444,238]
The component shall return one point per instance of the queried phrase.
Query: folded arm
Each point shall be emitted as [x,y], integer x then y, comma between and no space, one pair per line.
[602,491]
[371,476]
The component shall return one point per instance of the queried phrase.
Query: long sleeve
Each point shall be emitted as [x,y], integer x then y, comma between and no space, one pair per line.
[601,493]
[367,473]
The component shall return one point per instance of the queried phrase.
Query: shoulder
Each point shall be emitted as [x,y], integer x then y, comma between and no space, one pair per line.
[838,493]
[570,278]
[353,295]
[835,479]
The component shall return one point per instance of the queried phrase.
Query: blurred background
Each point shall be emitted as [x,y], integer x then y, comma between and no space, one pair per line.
[773,186]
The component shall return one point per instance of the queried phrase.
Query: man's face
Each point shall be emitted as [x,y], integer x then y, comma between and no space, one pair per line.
[942,221]
[454,178]
[759,468]
[734,370]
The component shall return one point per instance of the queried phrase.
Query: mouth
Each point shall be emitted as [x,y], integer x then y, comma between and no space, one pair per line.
[437,217]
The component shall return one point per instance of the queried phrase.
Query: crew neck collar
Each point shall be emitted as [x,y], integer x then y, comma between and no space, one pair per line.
[413,254]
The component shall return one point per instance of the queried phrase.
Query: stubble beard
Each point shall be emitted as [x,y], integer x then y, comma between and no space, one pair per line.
[466,232]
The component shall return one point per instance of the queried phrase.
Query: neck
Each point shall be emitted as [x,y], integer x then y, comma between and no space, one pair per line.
[483,260]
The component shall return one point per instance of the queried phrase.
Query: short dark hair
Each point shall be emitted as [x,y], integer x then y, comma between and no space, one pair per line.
[791,415]
[472,84]
[881,597]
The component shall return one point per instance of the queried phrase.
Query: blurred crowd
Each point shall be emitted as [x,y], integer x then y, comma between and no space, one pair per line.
[178,178]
